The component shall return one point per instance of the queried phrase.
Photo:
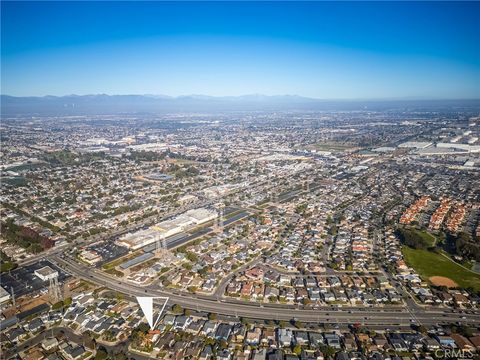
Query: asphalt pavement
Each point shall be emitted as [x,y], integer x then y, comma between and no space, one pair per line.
[387,316]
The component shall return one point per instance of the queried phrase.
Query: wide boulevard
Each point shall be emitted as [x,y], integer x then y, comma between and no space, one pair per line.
[388,315]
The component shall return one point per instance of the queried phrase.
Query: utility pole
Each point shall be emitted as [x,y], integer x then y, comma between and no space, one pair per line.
[54,289]
[13,297]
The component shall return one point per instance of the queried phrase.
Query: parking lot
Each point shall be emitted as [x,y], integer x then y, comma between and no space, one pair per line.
[108,251]
[24,281]
[230,209]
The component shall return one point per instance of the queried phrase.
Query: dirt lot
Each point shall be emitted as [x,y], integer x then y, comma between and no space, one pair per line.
[443,281]
[24,304]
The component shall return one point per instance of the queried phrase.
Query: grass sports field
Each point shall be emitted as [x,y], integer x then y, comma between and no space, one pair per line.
[429,264]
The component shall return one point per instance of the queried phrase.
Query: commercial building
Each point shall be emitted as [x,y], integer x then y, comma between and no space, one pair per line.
[415,144]
[157,147]
[167,228]
[4,295]
[90,256]
[158,177]
[464,147]
[46,273]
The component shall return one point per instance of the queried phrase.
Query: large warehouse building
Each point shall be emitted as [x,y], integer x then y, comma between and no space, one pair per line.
[167,228]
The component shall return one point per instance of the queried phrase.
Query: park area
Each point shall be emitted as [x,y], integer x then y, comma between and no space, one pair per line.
[432,266]
[426,237]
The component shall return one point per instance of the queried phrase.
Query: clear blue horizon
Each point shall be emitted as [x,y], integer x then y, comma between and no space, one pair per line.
[325,50]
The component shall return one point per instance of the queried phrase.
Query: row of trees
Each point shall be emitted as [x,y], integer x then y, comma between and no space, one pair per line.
[34,218]
[68,158]
[25,237]
[104,354]
[464,246]
[157,156]
[6,263]
[182,172]
[412,238]
[460,244]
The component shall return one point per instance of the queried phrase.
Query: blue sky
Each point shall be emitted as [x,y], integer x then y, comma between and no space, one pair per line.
[325,50]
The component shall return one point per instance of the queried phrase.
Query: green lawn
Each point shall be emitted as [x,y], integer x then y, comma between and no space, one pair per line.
[428,264]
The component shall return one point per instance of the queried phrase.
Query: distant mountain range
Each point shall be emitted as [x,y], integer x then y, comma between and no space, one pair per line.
[114,104]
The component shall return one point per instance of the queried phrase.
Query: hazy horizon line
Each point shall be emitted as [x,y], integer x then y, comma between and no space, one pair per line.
[425,98]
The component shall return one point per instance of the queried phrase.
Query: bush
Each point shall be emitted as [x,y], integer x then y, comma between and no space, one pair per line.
[101,355]
[57,305]
[177,309]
